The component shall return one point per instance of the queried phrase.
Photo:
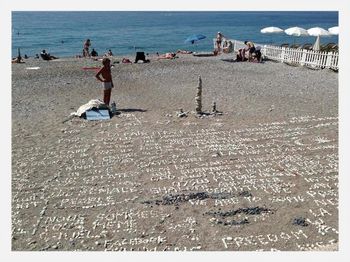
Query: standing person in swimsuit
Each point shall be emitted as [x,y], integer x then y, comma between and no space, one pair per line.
[106,79]
[86,47]
[219,38]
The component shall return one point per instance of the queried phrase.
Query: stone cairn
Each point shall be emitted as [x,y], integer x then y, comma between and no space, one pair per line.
[213,110]
[198,97]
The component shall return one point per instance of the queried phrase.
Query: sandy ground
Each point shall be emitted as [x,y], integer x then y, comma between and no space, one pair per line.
[261,176]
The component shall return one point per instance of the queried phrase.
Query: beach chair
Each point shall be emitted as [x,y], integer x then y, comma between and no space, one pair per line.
[141,56]
[327,47]
[307,46]
[334,48]
[331,47]
[295,46]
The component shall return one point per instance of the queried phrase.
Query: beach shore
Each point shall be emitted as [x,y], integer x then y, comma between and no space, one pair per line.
[261,176]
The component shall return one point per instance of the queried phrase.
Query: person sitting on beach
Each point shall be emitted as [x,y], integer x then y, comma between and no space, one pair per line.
[227,47]
[86,47]
[241,57]
[250,48]
[257,57]
[184,52]
[17,60]
[219,38]
[47,56]
[126,61]
[36,56]
[109,53]
[93,52]
[167,56]
[106,79]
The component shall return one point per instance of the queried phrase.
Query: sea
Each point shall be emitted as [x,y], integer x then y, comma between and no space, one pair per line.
[62,33]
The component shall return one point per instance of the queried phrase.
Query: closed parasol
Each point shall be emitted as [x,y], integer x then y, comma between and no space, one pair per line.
[318,32]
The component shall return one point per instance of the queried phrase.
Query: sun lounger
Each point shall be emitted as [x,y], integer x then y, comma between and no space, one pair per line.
[307,46]
[330,47]
[295,46]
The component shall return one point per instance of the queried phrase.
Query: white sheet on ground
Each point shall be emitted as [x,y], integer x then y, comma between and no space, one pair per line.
[91,104]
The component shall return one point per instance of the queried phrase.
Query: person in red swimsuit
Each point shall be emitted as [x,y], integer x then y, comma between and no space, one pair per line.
[106,79]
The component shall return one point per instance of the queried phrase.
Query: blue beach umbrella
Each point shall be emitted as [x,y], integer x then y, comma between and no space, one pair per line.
[194,38]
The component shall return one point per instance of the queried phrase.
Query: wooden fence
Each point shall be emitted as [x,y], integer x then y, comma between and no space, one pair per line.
[302,57]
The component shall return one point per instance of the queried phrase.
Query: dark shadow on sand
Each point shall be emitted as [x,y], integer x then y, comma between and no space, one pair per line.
[131,110]
[235,61]
[229,60]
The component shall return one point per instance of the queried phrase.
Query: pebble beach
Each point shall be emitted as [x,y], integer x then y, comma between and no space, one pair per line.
[148,179]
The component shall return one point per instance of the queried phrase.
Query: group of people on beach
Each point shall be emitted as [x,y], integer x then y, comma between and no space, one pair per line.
[86,50]
[104,75]
[249,53]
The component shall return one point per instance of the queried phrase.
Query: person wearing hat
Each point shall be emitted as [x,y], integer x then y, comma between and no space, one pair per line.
[219,38]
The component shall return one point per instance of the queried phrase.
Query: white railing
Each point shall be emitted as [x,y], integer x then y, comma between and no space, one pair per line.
[303,57]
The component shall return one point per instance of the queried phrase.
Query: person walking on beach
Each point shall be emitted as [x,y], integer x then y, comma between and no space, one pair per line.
[106,79]
[86,47]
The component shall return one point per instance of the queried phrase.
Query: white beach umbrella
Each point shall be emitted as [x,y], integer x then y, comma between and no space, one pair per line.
[318,32]
[296,31]
[271,30]
[334,30]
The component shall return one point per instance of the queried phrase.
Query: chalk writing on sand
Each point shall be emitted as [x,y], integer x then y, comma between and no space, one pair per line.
[212,188]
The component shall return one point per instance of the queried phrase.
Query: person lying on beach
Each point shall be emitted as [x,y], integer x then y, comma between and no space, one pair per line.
[167,56]
[126,61]
[47,56]
[17,60]
[183,52]
[106,79]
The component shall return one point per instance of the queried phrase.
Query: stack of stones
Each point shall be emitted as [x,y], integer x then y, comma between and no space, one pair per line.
[198,97]
[214,111]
